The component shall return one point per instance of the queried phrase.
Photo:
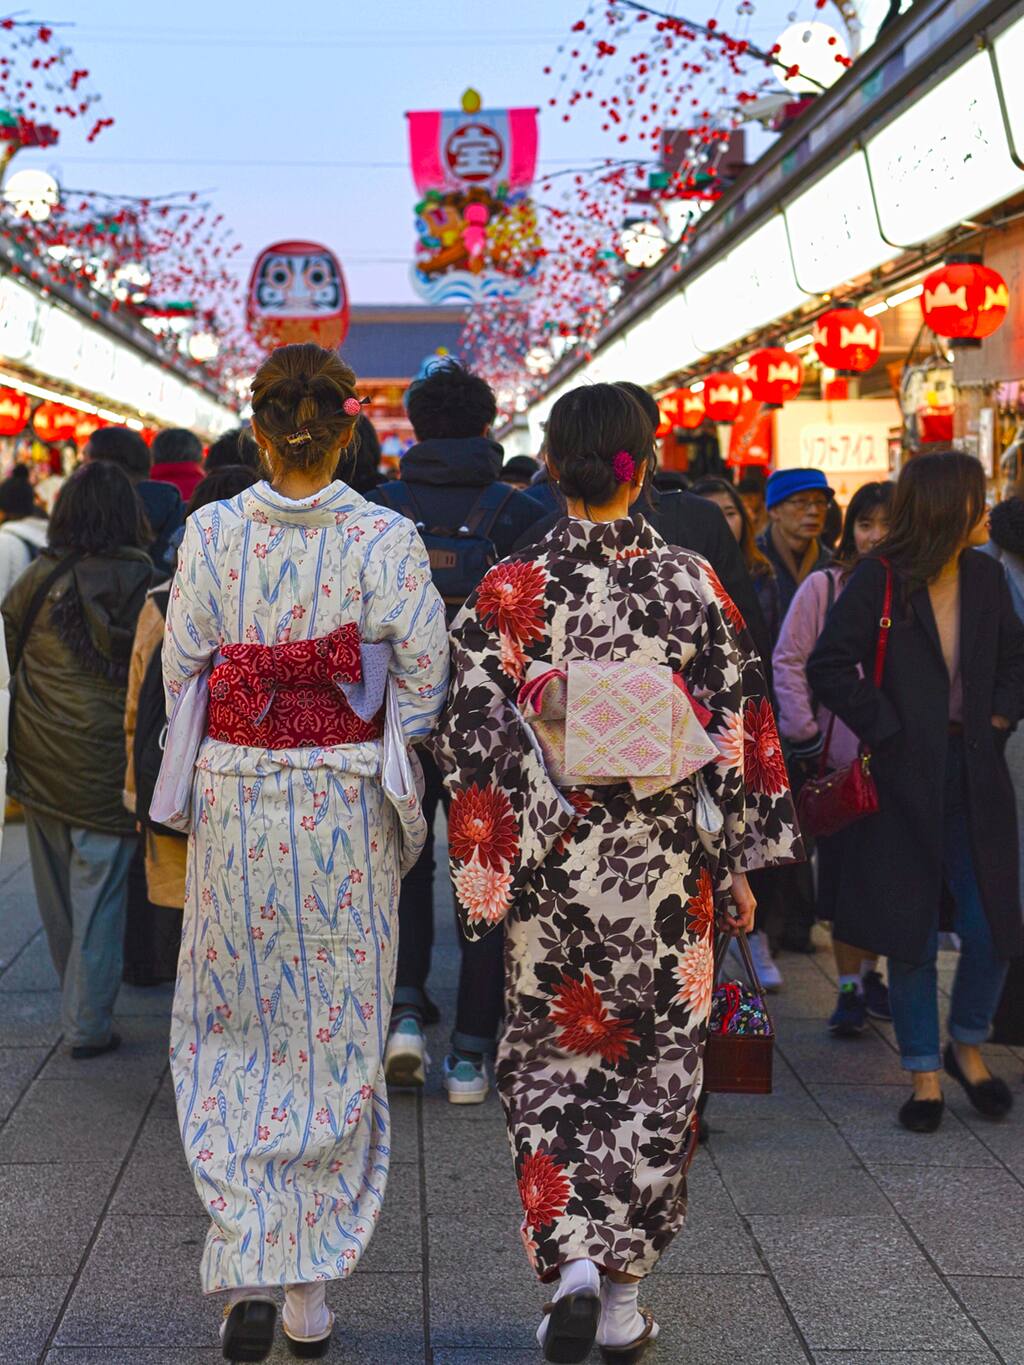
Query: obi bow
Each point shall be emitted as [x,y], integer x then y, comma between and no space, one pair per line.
[247,677]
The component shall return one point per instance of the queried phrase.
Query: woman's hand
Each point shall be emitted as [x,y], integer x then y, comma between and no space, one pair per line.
[1000,723]
[740,920]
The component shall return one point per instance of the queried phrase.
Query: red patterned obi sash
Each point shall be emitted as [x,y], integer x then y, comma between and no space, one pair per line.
[289,696]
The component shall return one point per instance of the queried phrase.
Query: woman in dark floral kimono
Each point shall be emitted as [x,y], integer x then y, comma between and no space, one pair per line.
[614,773]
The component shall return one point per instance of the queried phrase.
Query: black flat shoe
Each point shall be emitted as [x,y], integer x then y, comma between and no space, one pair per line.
[309,1348]
[991,1098]
[922,1116]
[84,1051]
[249,1330]
[572,1327]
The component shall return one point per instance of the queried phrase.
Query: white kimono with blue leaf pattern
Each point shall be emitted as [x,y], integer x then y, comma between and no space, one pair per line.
[288,954]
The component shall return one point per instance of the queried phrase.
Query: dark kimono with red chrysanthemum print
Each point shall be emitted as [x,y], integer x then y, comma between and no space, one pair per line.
[608,900]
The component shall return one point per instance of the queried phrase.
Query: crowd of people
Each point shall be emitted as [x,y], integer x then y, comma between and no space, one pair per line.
[613,688]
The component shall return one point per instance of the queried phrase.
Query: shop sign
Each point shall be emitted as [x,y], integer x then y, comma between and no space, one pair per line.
[19,309]
[833,230]
[848,441]
[752,285]
[1009,53]
[944,158]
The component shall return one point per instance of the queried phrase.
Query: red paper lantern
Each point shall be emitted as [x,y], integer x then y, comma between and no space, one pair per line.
[964,300]
[723,396]
[14,411]
[55,422]
[775,376]
[680,408]
[847,340]
[86,425]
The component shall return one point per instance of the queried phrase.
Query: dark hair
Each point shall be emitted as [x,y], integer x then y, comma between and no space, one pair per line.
[867,499]
[586,429]
[359,464]
[123,447]
[758,565]
[752,483]
[17,496]
[521,468]
[177,446]
[226,482]
[98,511]
[940,498]
[234,448]
[646,400]
[298,397]
[1005,523]
[450,402]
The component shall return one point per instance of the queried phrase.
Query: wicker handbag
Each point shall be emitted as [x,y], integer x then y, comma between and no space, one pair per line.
[832,801]
[738,1063]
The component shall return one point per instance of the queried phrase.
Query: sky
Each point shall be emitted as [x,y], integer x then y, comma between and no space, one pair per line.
[291,117]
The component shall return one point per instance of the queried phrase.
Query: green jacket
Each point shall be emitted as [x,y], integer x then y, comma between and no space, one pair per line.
[67,750]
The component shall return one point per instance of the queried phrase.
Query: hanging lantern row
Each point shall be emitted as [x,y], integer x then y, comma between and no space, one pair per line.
[964,301]
[847,340]
[775,376]
[680,408]
[51,422]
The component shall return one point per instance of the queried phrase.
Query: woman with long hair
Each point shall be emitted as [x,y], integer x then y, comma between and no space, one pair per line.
[581,665]
[951,692]
[69,622]
[804,724]
[308,603]
[734,509]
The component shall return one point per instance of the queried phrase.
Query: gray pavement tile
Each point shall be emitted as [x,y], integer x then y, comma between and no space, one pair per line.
[788,1102]
[997,1306]
[866,1115]
[153,1000]
[143,1053]
[31,969]
[65,1120]
[504,1305]
[18,1065]
[143,1355]
[969,1220]
[405,1126]
[462,1243]
[30,1308]
[49,1215]
[477,1174]
[861,1284]
[30,1018]
[379,1319]
[476,1355]
[706,1320]
[804,995]
[397,1243]
[809,1167]
[714,1234]
[140,1286]
[816,1056]
[981,1356]
[156,1185]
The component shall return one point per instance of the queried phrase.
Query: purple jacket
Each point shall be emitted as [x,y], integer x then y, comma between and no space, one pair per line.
[800,721]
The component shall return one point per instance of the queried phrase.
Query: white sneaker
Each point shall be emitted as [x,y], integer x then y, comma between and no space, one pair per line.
[306,1320]
[405,1057]
[465,1081]
[764,964]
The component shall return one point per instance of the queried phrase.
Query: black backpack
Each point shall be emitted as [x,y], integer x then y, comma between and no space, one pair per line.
[151,731]
[459,556]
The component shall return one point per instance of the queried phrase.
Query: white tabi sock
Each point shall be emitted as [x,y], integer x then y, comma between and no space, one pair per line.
[621,1322]
[306,1315]
[574,1278]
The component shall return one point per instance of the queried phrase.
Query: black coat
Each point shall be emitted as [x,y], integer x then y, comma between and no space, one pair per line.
[893,862]
[696,524]
[448,476]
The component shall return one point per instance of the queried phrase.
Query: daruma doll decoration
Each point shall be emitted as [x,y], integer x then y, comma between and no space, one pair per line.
[297,293]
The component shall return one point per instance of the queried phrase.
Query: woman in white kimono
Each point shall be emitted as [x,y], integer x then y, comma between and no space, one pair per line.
[305,599]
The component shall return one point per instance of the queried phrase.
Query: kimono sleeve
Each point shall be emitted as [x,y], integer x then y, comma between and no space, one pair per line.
[192,633]
[749,782]
[506,814]
[402,606]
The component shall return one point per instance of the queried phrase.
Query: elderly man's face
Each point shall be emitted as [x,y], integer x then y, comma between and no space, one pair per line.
[801,518]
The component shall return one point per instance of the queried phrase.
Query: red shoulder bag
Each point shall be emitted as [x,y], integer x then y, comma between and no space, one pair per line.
[832,801]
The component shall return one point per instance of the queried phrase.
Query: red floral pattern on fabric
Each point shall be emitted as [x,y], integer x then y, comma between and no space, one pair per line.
[286,696]
[543,1189]
[586,1026]
[511,597]
[764,768]
[481,822]
[730,610]
[700,909]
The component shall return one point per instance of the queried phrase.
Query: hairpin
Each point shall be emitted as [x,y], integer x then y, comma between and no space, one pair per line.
[624,467]
[352,407]
[300,437]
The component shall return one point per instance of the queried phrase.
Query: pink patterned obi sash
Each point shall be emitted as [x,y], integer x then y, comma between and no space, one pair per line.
[302,695]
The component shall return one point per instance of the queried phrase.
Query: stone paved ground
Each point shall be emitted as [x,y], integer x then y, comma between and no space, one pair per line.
[820,1231]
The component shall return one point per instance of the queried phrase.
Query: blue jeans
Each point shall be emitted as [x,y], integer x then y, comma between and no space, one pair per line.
[980,974]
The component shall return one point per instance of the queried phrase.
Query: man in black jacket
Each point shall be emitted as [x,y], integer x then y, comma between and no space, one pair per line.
[164,508]
[443,480]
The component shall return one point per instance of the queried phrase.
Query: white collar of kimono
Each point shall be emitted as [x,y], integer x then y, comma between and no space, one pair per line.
[326,508]
[604,540]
